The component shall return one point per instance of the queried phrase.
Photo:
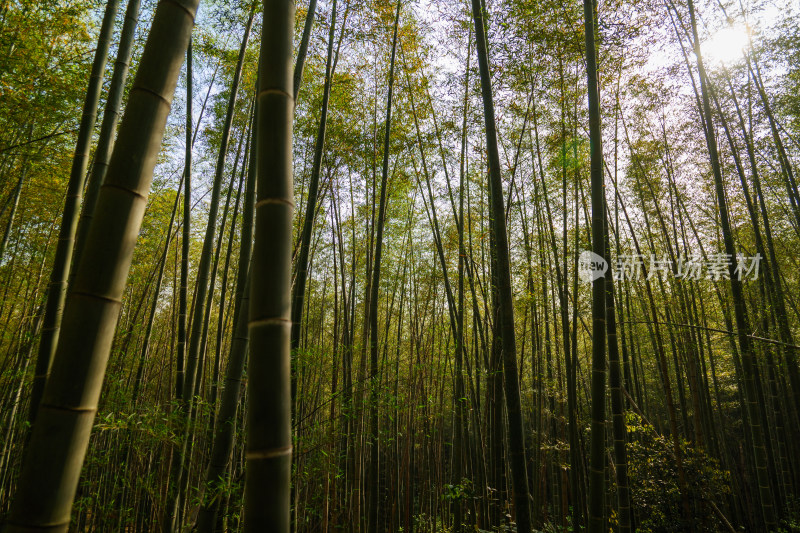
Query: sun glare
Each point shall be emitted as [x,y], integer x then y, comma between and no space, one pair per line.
[725,46]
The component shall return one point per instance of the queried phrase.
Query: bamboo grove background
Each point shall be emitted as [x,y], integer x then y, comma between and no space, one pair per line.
[416,404]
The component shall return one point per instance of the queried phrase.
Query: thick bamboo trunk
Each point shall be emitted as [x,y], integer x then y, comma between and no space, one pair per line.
[505,327]
[269,426]
[60,437]
[597,464]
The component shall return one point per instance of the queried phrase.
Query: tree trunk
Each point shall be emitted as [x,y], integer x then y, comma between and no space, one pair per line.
[505,327]
[105,143]
[372,472]
[303,49]
[597,464]
[299,289]
[57,291]
[61,434]
[740,312]
[269,426]
[195,338]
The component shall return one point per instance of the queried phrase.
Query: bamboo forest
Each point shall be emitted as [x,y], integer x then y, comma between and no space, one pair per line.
[370,266]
